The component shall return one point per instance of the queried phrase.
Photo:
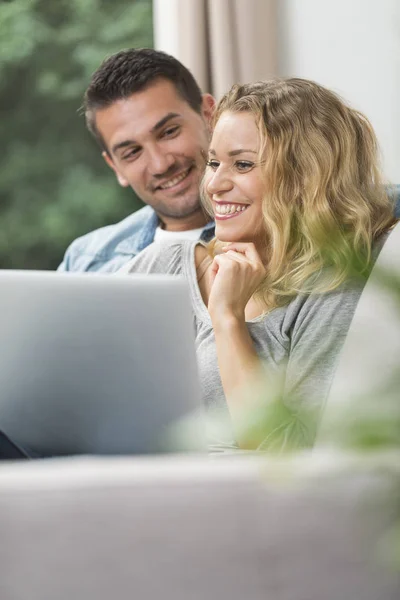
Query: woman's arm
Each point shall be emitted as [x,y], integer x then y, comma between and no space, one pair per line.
[236,273]
[285,412]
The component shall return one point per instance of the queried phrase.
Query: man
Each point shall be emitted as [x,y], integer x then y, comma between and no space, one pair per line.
[148,114]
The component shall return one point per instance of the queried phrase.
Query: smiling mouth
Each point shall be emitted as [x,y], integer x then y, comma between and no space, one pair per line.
[175,180]
[227,211]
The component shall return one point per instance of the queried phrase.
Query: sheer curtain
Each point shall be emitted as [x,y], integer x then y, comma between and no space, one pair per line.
[221,41]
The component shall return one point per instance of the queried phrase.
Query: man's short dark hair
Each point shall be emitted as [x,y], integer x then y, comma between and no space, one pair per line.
[130,71]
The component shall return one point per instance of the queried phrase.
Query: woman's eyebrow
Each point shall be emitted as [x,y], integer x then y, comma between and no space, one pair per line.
[240,151]
[234,152]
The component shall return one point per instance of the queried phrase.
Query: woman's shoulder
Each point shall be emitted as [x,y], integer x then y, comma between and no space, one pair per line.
[160,257]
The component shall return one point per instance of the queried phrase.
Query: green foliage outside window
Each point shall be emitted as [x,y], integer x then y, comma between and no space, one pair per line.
[54,184]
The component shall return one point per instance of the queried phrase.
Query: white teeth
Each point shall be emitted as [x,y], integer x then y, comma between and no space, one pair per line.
[174,181]
[229,209]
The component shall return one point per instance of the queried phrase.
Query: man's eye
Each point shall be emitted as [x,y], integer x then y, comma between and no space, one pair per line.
[213,164]
[132,153]
[244,165]
[171,131]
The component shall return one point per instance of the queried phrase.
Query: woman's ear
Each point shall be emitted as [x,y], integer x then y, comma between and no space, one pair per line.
[121,179]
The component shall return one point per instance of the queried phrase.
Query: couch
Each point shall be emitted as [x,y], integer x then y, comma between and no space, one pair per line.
[311,527]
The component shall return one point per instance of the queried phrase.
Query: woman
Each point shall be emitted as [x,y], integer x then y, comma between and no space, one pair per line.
[293,183]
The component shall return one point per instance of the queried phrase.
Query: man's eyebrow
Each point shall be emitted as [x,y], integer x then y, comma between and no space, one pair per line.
[123,144]
[154,129]
[234,152]
[164,120]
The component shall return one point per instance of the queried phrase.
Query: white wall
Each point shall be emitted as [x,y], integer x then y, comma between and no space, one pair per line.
[188,43]
[353,47]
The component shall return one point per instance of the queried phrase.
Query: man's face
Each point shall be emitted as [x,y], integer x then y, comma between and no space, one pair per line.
[156,144]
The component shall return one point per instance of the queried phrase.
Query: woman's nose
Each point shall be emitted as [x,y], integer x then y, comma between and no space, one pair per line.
[219,182]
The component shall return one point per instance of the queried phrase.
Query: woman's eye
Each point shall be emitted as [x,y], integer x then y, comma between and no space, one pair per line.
[244,165]
[213,164]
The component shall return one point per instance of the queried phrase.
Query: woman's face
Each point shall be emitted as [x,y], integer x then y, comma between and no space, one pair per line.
[233,179]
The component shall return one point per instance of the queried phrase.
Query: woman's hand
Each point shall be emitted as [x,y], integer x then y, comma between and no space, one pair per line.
[235,275]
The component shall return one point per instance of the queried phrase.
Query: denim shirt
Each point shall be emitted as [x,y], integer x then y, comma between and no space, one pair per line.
[109,248]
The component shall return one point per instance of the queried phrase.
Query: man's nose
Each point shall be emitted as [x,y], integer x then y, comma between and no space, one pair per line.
[159,161]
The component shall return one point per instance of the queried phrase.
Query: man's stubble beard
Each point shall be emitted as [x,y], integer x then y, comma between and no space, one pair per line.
[192,205]
[168,210]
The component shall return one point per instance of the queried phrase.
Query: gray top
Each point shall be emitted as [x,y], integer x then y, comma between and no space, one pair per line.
[299,343]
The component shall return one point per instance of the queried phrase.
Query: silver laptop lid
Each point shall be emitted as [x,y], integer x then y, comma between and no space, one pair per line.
[93,363]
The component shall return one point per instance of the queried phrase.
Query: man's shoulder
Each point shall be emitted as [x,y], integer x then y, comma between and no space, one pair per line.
[98,241]
[117,242]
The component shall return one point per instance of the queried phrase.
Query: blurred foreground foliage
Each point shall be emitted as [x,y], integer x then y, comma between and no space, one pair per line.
[54,184]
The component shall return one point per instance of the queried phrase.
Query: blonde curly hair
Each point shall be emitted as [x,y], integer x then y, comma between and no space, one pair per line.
[325,202]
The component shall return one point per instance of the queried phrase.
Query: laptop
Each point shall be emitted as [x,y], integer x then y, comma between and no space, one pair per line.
[97,364]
